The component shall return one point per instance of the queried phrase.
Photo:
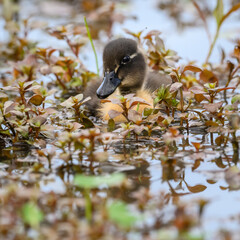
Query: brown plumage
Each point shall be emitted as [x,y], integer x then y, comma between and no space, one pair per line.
[125,71]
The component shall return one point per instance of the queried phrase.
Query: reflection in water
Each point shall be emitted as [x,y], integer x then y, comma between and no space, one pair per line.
[179,181]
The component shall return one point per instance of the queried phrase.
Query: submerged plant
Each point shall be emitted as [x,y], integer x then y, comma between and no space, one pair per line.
[91,182]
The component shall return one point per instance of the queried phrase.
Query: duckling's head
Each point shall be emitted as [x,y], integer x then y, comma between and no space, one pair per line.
[124,67]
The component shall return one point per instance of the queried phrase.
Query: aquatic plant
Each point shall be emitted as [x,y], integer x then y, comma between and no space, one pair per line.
[66,174]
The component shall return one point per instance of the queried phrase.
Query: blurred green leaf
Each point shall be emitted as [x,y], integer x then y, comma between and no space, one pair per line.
[192,236]
[174,102]
[111,125]
[235,98]
[148,111]
[119,213]
[89,182]
[218,12]
[31,214]
[86,122]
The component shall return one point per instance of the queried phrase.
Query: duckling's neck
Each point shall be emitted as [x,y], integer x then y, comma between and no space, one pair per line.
[126,90]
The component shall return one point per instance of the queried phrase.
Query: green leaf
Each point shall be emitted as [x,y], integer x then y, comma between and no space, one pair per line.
[119,213]
[31,214]
[147,111]
[235,98]
[233,9]
[89,182]
[174,102]
[218,12]
[36,99]
[156,100]
[111,125]
[86,122]
[5,132]
[192,236]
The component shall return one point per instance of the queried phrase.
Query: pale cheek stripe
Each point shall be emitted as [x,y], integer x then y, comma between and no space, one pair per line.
[116,69]
[131,56]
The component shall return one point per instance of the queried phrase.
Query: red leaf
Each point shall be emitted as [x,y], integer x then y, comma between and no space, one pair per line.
[113,113]
[175,86]
[192,69]
[212,107]
[197,90]
[134,116]
[36,99]
[197,188]
[208,76]
[152,33]
[136,100]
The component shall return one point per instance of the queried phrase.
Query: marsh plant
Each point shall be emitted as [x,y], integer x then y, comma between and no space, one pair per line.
[67,174]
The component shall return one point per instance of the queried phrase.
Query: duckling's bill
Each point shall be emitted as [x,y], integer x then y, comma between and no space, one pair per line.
[109,85]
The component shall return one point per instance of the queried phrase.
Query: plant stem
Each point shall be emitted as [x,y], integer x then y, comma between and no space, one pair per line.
[212,45]
[181,99]
[181,91]
[60,82]
[90,38]
[71,47]
[88,205]
[10,126]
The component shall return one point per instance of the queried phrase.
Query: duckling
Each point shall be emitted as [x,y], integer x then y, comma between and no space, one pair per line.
[125,72]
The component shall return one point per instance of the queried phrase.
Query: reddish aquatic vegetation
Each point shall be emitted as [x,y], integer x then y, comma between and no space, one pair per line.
[59,170]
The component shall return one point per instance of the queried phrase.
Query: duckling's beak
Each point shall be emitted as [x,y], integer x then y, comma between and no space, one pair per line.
[109,85]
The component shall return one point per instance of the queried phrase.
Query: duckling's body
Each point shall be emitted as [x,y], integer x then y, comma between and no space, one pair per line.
[106,107]
[125,72]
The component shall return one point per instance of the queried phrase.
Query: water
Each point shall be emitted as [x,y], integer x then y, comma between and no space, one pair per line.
[192,45]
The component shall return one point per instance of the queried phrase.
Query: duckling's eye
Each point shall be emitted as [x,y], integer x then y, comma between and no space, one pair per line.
[126,59]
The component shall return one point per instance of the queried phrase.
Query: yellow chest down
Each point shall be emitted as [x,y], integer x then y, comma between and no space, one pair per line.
[106,107]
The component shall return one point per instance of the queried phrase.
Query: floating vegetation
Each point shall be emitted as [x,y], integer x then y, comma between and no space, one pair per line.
[159,174]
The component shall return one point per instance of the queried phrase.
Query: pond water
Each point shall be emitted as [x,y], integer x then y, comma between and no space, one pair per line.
[144,161]
[191,43]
